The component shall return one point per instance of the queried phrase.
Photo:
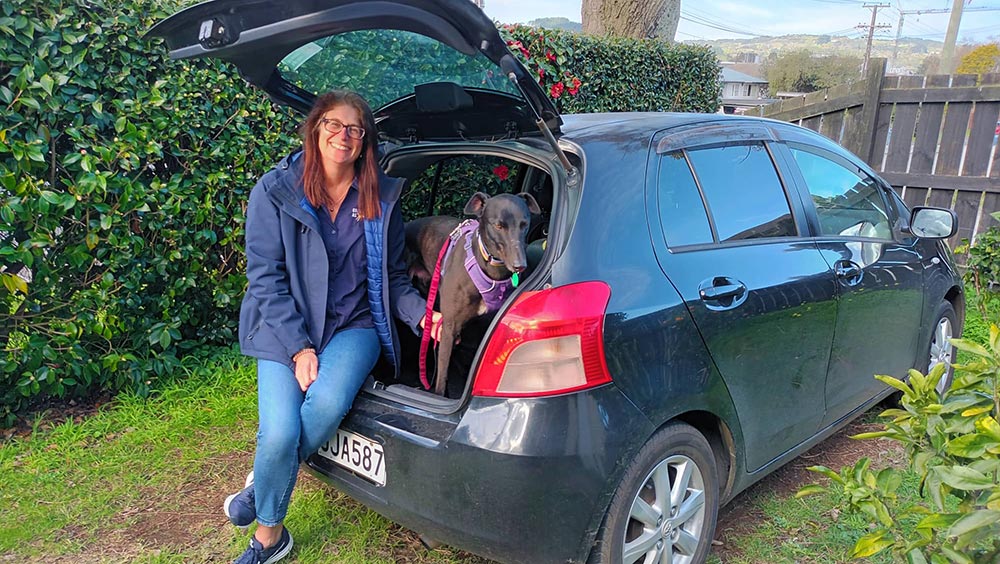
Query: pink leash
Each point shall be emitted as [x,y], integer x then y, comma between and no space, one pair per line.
[425,338]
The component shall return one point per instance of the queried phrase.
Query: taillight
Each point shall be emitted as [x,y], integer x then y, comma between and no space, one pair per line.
[549,342]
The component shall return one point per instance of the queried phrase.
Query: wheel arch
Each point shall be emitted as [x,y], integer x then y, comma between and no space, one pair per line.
[720,438]
[956,296]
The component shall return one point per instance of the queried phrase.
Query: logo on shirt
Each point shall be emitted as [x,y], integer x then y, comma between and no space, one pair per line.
[355,214]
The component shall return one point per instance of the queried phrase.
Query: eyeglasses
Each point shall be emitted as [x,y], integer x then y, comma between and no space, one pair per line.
[335,127]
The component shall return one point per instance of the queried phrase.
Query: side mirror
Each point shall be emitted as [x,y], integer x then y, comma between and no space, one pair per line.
[933,223]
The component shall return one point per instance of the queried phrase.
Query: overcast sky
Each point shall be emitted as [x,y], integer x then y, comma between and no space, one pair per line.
[701,19]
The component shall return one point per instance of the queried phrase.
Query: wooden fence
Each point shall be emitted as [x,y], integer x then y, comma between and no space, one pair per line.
[932,137]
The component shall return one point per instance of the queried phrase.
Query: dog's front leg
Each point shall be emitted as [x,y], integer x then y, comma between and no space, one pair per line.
[446,342]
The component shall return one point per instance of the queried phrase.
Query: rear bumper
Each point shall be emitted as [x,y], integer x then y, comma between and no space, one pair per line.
[515,480]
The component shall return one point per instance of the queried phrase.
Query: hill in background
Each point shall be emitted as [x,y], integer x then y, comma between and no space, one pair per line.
[911,51]
[557,23]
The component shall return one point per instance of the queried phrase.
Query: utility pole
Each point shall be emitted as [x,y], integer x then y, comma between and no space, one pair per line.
[948,51]
[871,32]
[904,13]
[899,33]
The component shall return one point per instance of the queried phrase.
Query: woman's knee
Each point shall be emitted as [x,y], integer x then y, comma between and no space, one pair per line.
[277,440]
[327,405]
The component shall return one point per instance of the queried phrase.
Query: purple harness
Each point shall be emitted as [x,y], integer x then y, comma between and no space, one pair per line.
[494,292]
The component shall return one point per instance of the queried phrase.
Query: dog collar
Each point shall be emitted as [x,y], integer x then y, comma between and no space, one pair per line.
[494,261]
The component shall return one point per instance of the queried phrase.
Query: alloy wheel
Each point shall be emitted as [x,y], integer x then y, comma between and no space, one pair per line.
[941,350]
[667,516]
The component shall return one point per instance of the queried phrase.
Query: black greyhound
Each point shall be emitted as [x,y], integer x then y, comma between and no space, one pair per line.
[497,246]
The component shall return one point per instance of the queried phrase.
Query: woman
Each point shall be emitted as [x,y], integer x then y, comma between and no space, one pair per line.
[316,313]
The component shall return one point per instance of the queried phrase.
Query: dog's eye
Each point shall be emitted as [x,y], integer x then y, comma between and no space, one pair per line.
[499,225]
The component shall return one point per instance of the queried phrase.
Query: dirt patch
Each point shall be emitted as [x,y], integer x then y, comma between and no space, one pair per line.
[53,412]
[172,519]
[177,520]
[743,515]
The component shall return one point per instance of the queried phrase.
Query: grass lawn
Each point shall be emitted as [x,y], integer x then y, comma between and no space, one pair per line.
[142,480]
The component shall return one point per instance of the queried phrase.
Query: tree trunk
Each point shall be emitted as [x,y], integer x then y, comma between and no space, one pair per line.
[641,19]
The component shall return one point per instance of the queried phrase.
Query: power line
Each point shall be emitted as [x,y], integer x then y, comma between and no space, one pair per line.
[707,16]
[691,35]
[706,22]
[841,2]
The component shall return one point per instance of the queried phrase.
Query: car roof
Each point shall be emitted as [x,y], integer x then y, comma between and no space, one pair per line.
[596,125]
[584,128]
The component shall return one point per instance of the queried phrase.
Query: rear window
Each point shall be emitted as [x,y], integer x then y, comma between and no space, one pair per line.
[744,194]
[682,213]
[384,65]
[446,186]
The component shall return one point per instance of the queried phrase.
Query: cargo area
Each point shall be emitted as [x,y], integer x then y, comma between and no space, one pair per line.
[441,182]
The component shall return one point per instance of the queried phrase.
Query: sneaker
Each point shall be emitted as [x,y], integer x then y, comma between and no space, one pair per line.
[257,554]
[240,507]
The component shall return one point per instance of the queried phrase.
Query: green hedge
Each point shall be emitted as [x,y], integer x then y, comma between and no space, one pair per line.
[124,178]
[602,74]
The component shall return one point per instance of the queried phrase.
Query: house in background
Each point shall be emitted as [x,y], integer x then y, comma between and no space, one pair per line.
[741,91]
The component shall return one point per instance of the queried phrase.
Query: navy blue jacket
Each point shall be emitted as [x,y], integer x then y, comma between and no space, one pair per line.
[284,309]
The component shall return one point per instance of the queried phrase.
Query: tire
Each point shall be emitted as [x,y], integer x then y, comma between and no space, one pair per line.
[938,348]
[653,535]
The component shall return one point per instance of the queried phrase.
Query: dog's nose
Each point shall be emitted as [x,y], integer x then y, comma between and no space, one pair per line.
[518,268]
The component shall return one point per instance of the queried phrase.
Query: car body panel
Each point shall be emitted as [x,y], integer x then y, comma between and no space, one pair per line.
[881,305]
[646,321]
[489,481]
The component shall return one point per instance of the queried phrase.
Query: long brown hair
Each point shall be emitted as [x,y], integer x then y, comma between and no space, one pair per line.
[365,168]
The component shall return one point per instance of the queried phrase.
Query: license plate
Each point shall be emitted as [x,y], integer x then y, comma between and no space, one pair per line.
[358,454]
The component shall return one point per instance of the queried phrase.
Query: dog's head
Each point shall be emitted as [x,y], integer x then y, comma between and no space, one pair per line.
[503,225]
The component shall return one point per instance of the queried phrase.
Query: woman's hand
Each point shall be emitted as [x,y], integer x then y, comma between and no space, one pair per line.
[306,368]
[436,319]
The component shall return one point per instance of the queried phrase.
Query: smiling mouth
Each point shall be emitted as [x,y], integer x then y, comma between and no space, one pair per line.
[341,147]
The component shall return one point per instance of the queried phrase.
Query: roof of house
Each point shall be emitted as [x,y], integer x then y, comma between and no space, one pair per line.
[753,69]
[729,75]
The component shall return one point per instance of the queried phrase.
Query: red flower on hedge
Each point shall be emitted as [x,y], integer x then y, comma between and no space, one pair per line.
[502,172]
[556,90]
[550,56]
[575,88]
[541,73]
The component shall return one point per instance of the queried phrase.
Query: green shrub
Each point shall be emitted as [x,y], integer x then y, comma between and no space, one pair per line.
[584,73]
[124,178]
[953,446]
[984,258]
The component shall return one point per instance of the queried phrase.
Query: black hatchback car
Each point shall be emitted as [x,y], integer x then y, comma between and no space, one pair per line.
[709,295]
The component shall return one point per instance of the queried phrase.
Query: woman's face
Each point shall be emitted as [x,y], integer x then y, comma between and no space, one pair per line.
[338,149]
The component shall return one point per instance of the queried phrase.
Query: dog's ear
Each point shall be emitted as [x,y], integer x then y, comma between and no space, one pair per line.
[475,204]
[532,204]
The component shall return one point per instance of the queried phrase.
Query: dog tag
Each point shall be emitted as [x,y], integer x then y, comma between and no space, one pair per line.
[514,279]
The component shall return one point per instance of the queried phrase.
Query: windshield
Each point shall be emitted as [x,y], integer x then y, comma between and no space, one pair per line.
[384,65]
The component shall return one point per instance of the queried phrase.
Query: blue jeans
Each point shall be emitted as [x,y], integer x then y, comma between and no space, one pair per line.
[293,424]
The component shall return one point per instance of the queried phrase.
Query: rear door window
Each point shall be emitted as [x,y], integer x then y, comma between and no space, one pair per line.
[682,212]
[745,197]
[849,203]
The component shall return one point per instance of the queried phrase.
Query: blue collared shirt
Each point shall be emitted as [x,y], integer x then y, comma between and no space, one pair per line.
[344,237]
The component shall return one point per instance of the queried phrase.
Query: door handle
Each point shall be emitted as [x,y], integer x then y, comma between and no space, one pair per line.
[722,292]
[847,270]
